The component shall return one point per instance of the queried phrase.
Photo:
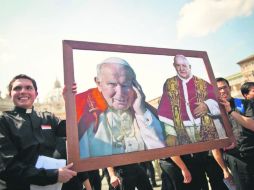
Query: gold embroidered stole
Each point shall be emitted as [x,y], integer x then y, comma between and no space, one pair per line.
[207,128]
[173,93]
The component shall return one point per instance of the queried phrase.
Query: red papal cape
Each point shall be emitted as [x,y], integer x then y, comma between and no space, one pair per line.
[89,105]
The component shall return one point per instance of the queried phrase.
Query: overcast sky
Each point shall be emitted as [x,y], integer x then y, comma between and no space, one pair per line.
[31,32]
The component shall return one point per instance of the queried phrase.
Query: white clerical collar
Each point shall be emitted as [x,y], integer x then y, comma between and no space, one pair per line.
[185,80]
[29,110]
[23,110]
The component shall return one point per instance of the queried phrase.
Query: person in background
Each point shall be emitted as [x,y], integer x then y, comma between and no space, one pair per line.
[240,158]
[149,169]
[192,172]
[216,170]
[129,177]
[183,172]
[247,90]
[25,135]
[225,93]
[95,179]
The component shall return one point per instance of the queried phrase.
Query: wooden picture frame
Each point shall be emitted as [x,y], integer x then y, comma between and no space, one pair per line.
[132,157]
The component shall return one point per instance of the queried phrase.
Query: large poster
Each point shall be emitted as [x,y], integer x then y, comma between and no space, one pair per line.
[139,103]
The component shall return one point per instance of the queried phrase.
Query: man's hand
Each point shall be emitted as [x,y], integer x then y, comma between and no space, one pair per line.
[73,89]
[114,181]
[201,109]
[186,176]
[225,103]
[227,175]
[65,174]
[139,102]
[185,172]
[232,145]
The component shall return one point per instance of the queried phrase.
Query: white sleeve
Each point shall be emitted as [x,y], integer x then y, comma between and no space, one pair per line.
[170,130]
[150,130]
[213,107]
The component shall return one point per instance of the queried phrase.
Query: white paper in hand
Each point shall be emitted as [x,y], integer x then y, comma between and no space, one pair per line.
[49,163]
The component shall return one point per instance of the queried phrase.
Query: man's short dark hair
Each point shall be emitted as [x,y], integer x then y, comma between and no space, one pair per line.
[245,88]
[221,79]
[21,76]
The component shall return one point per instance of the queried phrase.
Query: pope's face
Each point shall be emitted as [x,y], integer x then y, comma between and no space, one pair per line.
[23,93]
[224,89]
[115,84]
[183,68]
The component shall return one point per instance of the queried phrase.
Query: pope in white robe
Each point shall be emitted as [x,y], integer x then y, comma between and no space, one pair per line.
[114,118]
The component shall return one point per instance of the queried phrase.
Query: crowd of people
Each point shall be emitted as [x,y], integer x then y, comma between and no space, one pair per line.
[119,102]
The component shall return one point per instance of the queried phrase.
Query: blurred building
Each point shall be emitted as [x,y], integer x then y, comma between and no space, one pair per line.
[5,104]
[246,74]
[235,81]
[54,101]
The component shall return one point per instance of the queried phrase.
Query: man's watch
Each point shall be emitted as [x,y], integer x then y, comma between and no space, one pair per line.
[230,111]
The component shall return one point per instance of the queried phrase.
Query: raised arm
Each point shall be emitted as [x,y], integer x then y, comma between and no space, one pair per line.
[185,172]
[246,122]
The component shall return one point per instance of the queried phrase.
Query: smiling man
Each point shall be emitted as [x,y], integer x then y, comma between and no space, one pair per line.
[23,93]
[240,159]
[26,135]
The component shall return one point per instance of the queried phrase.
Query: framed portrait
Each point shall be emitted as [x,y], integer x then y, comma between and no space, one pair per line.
[181,102]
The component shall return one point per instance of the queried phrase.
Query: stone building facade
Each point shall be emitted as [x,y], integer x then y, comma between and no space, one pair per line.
[246,74]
